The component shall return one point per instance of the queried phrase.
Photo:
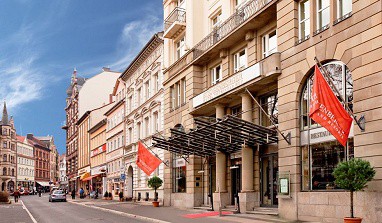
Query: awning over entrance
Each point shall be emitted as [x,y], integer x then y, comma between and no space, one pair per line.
[90,177]
[85,175]
[44,184]
[211,135]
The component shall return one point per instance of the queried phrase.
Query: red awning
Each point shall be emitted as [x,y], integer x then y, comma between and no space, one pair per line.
[89,178]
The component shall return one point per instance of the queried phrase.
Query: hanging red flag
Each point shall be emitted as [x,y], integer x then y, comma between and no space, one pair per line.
[326,109]
[145,160]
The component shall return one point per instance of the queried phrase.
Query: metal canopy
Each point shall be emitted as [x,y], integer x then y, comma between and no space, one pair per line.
[211,135]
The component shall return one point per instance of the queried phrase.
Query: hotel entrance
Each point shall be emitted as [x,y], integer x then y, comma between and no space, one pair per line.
[236,181]
[269,180]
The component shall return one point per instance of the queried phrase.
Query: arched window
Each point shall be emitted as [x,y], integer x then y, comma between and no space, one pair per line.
[4,171]
[320,151]
[13,172]
[5,158]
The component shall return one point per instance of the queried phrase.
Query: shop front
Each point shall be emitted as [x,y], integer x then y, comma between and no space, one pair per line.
[98,179]
[84,182]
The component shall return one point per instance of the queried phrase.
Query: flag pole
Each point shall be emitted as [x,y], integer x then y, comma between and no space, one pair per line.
[156,155]
[342,99]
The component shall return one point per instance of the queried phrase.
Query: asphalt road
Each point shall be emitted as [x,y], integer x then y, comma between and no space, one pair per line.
[44,211]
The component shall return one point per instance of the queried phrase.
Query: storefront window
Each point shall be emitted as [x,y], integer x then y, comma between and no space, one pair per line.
[179,174]
[320,151]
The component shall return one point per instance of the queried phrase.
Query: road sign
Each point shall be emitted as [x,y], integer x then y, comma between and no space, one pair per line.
[123,176]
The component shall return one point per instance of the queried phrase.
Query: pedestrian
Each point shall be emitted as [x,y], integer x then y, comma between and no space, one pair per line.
[121,196]
[16,195]
[39,192]
[82,193]
[73,194]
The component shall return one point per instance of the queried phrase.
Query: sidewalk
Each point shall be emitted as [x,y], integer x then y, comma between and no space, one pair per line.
[171,214]
[14,212]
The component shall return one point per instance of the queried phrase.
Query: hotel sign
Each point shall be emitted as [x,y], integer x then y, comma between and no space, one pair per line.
[227,85]
[319,135]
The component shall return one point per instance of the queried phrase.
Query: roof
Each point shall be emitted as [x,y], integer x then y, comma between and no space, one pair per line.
[117,105]
[133,65]
[20,138]
[36,142]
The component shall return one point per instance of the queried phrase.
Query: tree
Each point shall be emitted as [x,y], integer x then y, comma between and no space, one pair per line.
[155,183]
[353,175]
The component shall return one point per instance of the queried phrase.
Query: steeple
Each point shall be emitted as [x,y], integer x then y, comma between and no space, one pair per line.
[4,119]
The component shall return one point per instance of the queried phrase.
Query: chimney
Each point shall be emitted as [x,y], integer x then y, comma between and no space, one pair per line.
[106,69]
[29,136]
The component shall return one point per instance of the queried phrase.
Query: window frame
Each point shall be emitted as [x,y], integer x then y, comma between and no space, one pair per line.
[300,22]
[265,41]
[236,60]
[180,47]
[320,27]
[213,72]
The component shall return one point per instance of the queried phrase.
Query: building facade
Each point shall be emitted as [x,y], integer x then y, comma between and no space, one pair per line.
[249,63]
[115,140]
[42,163]
[25,164]
[84,152]
[71,129]
[54,156]
[144,115]
[63,179]
[8,141]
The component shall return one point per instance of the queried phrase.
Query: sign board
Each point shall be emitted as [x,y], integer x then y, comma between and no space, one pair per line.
[123,176]
[97,151]
[319,135]
[284,184]
[227,85]
[179,162]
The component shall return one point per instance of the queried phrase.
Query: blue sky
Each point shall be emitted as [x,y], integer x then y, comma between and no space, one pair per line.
[42,41]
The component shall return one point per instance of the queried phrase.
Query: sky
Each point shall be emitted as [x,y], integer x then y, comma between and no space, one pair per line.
[42,41]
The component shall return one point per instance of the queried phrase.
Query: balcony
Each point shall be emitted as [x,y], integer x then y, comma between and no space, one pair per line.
[175,23]
[261,73]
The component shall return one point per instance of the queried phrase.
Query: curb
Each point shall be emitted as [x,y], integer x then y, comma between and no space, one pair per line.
[123,213]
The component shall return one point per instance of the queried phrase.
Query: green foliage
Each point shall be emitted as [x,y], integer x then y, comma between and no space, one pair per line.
[4,197]
[354,174]
[155,182]
[106,194]
[110,195]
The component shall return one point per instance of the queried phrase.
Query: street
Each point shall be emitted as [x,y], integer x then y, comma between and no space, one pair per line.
[44,211]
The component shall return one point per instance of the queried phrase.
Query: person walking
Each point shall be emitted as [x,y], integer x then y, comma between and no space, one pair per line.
[82,193]
[16,195]
[39,192]
[73,194]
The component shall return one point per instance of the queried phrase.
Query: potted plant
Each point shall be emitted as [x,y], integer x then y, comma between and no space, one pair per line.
[106,195]
[353,175]
[155,183]
[110,197]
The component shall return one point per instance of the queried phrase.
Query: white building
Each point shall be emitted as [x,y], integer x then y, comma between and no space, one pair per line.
[144,114]
[63,179]
[96,91]
[25,163]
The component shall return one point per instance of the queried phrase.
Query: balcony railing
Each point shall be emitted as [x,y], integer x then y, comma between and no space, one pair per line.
[177,15]
[235,20]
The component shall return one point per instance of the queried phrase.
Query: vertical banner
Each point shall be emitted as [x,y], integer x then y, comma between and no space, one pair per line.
[146,161]
[326,109]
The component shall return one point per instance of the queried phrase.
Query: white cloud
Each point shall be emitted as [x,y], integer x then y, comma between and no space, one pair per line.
[134,36]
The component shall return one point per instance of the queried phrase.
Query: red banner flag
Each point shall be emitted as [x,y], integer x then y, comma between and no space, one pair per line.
[145,160]
[327,110]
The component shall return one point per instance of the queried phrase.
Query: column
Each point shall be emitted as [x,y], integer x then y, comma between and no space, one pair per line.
[247,152]
[221,172]
[247,197]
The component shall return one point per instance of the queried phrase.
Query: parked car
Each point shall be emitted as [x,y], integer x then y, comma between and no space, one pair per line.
[57,195]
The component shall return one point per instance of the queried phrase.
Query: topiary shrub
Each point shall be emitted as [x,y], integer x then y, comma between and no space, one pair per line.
[353,175]
[4,197]
[110,195]
[106,194]
[155,183]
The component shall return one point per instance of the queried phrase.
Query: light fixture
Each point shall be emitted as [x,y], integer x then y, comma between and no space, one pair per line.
[233,167]
[201,171]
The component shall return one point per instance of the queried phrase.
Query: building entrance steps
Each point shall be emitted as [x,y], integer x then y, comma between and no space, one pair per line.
[264,211]
[204,207]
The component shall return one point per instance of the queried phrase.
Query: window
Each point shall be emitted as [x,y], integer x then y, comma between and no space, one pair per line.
[130,135]
[4,158]
[320,151]
[269,43]
[180,47]
[240,60]
[129,104]
[139,96]
[269,104]
[147,127]
[4,171]
[216,20]
[323,14]
[139,130]
[216,75]
[239,3]
[344,7]
[156,83]
[179,175]
[156,122]
[178,94]
[172,97]
[183,81]
[147,86]
[304,19]
[236,111]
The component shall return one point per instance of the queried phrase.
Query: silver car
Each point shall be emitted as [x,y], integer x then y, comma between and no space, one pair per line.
[57,195]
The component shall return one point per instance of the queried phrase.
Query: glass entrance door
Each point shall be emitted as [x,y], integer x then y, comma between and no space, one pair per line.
[236,182]
[269,180]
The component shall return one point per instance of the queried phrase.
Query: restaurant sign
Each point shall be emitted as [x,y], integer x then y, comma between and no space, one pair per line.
[99,150]
[227,85]
[319,135]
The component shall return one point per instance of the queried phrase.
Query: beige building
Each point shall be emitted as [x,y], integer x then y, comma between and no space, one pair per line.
[8,153]
[144,115]
[115,140]
[25,164]
[214,51]
[84,152]
[97,134]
